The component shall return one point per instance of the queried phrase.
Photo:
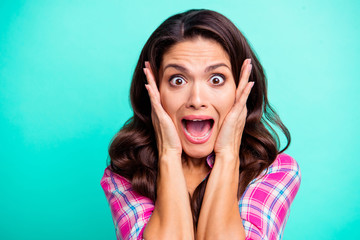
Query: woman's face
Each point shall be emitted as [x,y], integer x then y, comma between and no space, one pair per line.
[197,90]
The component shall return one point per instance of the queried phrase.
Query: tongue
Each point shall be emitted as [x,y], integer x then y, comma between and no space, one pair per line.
[198,128]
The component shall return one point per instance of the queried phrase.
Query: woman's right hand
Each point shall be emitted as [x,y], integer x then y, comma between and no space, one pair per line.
[167,138]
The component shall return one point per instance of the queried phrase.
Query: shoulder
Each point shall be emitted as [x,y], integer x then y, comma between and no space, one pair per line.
[283,175]
[112,181]
[284,168]
[115,185]
[130,210]
[285,162]
[265,204]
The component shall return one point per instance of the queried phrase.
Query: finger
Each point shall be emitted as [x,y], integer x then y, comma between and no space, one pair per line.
[150,75]
[154,99]
[151,80]
[152,89]
[149,87]
[244,96]
[151,93]
[246,62]
[238,109]
[244,79]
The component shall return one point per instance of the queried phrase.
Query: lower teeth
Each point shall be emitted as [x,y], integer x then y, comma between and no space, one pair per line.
[198,138]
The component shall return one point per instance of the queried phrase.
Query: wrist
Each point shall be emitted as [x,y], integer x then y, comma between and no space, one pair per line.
[170,162]
[227,162]
[169,155]
[227,156]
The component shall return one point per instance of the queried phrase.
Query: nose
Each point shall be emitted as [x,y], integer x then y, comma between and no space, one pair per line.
[197,97]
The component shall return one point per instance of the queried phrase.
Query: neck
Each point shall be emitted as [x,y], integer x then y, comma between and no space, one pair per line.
[194,164]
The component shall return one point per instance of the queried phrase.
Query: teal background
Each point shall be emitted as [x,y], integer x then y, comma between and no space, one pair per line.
[65,71]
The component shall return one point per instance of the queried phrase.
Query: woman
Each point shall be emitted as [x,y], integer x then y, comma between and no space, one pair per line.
[199,159]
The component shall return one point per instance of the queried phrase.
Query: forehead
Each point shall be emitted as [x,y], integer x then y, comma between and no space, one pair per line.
[196,51]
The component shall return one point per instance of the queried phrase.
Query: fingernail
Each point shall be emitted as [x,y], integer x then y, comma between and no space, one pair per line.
[147,64]
[144,69]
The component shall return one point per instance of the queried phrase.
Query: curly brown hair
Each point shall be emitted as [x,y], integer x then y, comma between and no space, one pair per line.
[133,150]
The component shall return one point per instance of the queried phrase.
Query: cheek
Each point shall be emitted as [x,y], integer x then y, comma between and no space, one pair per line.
[224,104]
[168,103]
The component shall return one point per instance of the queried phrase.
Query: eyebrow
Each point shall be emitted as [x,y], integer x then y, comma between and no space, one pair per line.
[183,69]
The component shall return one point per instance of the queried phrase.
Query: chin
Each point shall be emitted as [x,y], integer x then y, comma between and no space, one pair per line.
[198,151]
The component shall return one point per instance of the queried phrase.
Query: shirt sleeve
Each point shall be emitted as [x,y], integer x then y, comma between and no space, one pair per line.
[265,204]
[130,211]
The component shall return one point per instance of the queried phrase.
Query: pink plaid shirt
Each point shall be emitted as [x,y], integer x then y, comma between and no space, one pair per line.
[264,206]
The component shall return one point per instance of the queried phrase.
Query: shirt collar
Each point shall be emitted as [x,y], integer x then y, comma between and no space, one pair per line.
[210,160]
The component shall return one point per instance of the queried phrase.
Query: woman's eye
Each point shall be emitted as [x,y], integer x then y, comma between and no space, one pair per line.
[217,79]
[177,81]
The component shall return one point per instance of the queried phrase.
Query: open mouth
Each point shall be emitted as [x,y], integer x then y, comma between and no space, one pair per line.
[197,130]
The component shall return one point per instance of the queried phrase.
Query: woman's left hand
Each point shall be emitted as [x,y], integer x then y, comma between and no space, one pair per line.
[229,138]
